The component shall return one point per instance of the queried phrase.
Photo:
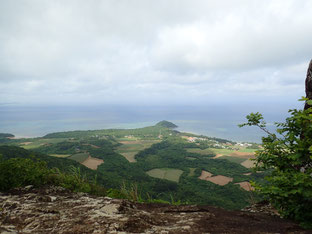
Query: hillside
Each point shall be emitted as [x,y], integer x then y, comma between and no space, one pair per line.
[166,124]
[162,163]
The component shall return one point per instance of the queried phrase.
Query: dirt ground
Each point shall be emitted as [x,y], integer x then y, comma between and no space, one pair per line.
[218,156]
[92,163]
[55,210]
[248,163]
[245,185]
[242,154]
[220,179]
[205,175]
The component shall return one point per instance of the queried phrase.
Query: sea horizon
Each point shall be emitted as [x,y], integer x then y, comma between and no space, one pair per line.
[211,121]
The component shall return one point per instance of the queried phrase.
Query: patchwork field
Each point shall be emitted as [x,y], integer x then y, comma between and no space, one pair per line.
[246,186]
[192,172]
[39,142]
[130,156]
[200,151]
[130,148]
[205,175]
[166,173]
[92,163]
[248,163]
[232,159]
[79,157]
[220,180]
[60,155]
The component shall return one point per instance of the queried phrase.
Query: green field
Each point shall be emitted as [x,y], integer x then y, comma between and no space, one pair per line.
[35,143]
[192,172]
[233,159]
[59,155]
[130,149]
[166,173]
[200,151]
[79,157]
[130,156]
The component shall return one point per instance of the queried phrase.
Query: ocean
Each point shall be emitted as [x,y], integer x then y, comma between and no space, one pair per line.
[214,120]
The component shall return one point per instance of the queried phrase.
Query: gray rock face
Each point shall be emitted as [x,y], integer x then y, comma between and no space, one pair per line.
[55,210]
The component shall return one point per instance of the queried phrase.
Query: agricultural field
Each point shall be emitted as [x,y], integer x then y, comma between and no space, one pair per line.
[156,164]
[232,159]
[166,173]
[246,186]
[205,175]
[200,151]
[130,148]
[220,180]
[80,157]
[248,163]
[192,171]
[59,155]
[92,163]
[35,143]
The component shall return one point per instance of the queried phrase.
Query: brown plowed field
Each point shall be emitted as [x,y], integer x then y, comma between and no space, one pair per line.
[245,185]
[220,180]
[92,163]
[205,175]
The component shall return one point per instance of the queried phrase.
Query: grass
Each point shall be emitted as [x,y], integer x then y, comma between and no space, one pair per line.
[130,156]
[79,157]
[41,141]
[192,172]
[190,158]
[130,150]
[60,155]
[233,159]
[200,151]
[166,173]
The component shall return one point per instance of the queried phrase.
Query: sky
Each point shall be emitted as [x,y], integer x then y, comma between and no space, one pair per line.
[164,52]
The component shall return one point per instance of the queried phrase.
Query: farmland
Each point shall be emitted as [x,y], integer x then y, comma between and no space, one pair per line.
[79,157]
[161,161]
[166,173]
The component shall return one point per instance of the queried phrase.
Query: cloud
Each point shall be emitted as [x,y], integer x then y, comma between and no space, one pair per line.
[153,51]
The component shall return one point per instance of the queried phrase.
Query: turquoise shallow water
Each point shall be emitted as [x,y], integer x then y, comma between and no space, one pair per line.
[215,121]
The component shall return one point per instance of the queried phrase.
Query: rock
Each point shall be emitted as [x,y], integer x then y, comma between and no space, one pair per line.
[56,210]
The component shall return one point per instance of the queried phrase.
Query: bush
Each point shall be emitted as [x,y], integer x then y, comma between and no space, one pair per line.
[18,172]
[289,158]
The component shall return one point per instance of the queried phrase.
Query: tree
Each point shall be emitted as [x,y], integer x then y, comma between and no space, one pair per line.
[287,154]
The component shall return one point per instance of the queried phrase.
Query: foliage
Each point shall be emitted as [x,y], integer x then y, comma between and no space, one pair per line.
[172,152]
[289,157]
[17,172]
[5,135]
[166,124]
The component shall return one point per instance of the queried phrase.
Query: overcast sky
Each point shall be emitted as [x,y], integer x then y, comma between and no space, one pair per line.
[159,52]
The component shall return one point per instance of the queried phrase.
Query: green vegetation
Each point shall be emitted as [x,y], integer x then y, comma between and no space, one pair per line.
[19,172]
[166,124]
[166,173]
[233,159]
[206,152]
[288,157]
[6,135]
[79,157]
[132,155]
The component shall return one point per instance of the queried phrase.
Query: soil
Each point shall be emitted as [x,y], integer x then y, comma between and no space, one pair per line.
[220,180]
[56,210]
[242,154]
[205,175]
[245,185]
[248,163]
[92,163]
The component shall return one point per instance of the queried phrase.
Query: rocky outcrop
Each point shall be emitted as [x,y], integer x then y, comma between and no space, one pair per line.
[56,210]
